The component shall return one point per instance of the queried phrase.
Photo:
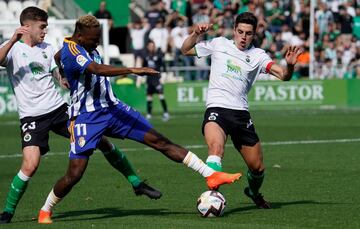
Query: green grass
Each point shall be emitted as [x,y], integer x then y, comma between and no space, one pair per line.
[310,184]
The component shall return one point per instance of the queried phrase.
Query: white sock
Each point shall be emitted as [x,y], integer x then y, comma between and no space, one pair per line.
[192,161]
[215,159]
[50,202]
[22,176]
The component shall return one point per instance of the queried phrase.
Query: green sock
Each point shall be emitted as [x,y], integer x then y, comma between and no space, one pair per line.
[119,161]
[17,189]
[215,166]
[255,181]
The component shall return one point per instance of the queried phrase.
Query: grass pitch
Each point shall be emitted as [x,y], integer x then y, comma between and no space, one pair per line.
[312,177]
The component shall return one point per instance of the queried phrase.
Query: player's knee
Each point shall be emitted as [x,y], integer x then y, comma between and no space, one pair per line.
[29,169]
[216,149]
[257,168]
[72,177]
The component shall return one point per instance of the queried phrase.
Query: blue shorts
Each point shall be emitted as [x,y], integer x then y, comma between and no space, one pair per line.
[119,121]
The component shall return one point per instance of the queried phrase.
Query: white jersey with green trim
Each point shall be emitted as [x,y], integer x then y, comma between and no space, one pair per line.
[29,70]
[232,72]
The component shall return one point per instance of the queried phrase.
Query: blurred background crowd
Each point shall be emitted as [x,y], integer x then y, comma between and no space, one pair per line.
[336,36]
[281,23]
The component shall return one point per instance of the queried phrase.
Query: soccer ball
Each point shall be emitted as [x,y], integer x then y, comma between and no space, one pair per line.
[211,204]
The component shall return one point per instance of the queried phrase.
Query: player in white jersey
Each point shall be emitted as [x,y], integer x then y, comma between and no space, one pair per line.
[30,65]
[235,64]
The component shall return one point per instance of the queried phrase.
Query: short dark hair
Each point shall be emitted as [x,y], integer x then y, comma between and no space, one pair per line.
[246,18]
[34,14]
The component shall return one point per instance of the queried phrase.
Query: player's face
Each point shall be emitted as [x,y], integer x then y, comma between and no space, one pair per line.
[90,38]
[38,30]
[243,35]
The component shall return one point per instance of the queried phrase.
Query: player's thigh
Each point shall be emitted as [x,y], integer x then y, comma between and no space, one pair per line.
[86,130]
[253,156]
[215,138]
[31,160]
[59,122]
[35,132]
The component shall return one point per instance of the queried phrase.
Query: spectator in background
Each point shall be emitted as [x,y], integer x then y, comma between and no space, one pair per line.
[153,58]
[356,28]
[137,31]
[153,15]
[275,17]
[103,13]
[202,16]
[323,17]
[177,38]
[346,22]
[160,36]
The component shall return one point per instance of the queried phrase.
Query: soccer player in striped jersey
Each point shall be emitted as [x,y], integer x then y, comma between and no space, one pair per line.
[95,111]
[235,64]
[30,63]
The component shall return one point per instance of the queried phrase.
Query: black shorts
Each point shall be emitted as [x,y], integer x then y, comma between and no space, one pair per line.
[154,89]
[35,130]
[236,123]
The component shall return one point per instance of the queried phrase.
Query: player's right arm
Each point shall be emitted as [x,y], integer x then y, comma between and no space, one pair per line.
[187,47]
[108,70]
[4,50]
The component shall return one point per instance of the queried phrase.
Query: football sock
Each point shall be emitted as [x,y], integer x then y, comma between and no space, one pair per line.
[163,104]
[255,181]
[17,189]
[149,106]
[214,162]
[50,202]
[119,161]
[192,161]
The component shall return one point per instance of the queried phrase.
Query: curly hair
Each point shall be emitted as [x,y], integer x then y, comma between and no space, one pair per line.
[86,21]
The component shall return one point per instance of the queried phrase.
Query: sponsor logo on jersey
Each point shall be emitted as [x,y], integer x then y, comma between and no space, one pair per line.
[81,141]
[44,54]
[27,137]
[81,60]
[24,55]
[247,58]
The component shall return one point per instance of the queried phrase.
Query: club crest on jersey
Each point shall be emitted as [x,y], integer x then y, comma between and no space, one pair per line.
[27,137]
[44,55]
[213,116]
[81,60]
[81,141]
[247,58]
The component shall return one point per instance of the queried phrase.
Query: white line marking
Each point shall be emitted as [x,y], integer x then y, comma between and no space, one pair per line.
[300,142]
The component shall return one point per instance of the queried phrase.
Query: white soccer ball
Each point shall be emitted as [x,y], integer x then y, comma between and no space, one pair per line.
[211,204]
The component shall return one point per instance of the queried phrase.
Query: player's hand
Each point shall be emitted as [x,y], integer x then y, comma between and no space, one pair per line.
[292,54]
[202,28]
[64,83]
[145,71]
[19,32]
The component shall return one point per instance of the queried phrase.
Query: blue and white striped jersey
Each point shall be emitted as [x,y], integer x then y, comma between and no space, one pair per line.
[89,92]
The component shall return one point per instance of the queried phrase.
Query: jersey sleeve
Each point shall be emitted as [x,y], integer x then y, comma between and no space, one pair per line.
[265,63]
[53,64]
[77,58]
[205,48]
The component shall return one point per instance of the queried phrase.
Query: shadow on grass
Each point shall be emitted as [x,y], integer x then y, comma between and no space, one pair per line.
[277,205]
[104,213]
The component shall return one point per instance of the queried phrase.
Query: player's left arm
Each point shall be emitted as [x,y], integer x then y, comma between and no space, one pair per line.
[58,72]
[108,70]
[285,73]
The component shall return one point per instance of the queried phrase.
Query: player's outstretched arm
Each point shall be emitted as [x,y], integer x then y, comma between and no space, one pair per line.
[108,70]
[187,47]
[285,73]
[17,35]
